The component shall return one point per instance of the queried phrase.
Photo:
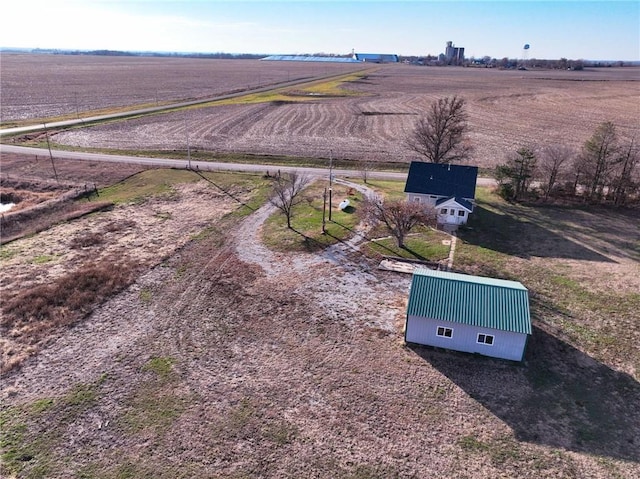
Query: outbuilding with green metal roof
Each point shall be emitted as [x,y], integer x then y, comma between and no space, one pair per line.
[468,313]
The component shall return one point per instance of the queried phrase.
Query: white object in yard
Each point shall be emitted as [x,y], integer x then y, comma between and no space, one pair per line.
[343,204]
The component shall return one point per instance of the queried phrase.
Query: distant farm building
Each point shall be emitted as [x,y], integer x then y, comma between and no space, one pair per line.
[468,313]
[354,58]
[309,58]
[454,54]
[450,189]
[376,57]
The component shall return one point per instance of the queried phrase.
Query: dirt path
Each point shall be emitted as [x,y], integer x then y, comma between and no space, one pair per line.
[338,278]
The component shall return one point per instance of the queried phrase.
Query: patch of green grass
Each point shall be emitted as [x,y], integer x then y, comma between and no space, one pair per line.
[42,259]
[390,189]
[154,405]
[145,295]
[82,396]
[472,444]
[161,366]
[480,260]
[8,252]
[15,449]
[306,221]
[241,414]
[425,246]
[208,232]
[32,432]
[152,409]
[42,405]
[146,184]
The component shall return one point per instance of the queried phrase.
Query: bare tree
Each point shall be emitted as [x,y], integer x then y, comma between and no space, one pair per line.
[600,154]
[366,167]
[398,216]
[625,181]
[286,191]
[440,135]
[553,166]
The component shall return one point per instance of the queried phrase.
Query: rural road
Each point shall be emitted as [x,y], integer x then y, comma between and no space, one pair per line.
[208,165]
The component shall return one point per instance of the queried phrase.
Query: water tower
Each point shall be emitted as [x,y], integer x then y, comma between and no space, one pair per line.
[525,54]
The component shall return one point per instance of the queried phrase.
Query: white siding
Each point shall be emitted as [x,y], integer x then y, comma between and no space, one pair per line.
[506,344]
[427,200]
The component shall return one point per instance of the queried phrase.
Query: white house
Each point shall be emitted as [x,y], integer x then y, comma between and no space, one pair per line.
[468,313]
[450,189]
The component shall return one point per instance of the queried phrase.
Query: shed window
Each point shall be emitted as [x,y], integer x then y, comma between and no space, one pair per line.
[452,212]
[444,332]
[461,213]
[485,339]
[416,199]
[443,211]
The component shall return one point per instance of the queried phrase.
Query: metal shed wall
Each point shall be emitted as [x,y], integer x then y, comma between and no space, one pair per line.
[506,345]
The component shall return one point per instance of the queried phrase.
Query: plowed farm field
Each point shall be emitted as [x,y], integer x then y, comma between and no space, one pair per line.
[370,120]
[45,86]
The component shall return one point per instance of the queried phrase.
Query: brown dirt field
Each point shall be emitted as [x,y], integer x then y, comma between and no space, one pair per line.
[507,109]
[44,86]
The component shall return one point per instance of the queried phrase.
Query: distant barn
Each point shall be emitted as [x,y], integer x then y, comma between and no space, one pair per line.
[309,58]
[376,57]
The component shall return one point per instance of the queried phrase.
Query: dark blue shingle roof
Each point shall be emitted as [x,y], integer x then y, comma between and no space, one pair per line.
[442,179]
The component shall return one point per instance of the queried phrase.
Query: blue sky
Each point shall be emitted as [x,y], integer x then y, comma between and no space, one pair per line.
[595,30]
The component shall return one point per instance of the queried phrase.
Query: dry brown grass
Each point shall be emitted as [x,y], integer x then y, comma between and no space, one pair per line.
[32,317]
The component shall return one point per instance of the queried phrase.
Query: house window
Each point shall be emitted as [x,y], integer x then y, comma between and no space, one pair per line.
[443,211]
[452,212]
[416,199]
[444,332]
[461,213]
[485,339]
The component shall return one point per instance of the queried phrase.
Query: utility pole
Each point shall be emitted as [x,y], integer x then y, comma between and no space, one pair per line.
[77,109]
[324,211]
[188,144]
[55,173]
[330,181]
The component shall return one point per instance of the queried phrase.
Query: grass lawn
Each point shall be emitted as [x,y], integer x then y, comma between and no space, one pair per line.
[306,220]
[422,244]
[579,264]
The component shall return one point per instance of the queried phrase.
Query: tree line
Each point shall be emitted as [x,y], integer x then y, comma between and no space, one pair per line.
[606,170]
